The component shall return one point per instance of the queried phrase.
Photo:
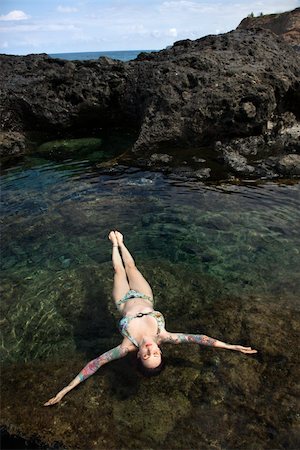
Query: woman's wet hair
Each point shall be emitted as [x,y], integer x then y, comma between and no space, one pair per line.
[150,371]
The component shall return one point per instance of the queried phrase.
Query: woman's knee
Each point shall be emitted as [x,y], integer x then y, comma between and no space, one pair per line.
[131,265]
[119,269]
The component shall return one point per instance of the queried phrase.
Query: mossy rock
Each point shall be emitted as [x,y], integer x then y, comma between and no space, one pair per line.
[66,148]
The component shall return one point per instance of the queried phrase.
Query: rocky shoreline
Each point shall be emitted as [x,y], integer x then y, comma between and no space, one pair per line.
[233,97]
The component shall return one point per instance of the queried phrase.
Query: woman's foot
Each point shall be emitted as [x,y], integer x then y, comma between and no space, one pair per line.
[112,237]
[119,237]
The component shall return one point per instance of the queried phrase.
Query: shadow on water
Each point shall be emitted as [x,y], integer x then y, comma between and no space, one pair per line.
[92,322]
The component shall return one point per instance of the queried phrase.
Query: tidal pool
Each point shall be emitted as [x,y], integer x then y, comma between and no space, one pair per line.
[223,259]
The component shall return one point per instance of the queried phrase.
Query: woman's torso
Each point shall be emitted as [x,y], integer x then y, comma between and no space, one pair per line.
[134,328]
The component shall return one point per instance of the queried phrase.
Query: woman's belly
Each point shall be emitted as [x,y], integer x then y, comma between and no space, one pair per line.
[137,305]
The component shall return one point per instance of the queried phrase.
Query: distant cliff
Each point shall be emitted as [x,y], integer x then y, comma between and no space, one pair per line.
[286,25]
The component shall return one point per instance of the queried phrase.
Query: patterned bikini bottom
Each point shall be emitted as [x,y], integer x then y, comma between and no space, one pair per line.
[133,294]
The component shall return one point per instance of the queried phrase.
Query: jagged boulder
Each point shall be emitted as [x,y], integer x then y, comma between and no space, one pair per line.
[217,87]
[192,94]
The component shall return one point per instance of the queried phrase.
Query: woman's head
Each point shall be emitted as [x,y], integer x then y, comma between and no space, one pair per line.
[150,361]
[150,371]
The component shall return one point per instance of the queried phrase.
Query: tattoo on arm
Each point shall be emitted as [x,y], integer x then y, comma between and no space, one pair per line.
[95,364]
[180,338]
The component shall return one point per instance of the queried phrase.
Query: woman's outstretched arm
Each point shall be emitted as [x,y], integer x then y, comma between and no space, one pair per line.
[201,339]
[115,353]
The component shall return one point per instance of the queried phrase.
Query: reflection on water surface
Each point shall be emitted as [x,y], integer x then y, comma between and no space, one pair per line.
[222,259]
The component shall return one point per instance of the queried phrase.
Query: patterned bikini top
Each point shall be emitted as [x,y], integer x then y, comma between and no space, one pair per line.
[124,322]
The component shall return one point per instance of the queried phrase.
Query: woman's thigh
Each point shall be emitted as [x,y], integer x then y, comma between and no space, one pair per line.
[120,288]
[138,282]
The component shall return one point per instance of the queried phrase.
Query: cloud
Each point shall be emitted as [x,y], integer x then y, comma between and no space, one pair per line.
[15,15]
[172,32]
[41,27]
[4,44]
[138,29]
[66,9]
[156,34]
[178,4]
[33,43]
[61,27]
[188,6]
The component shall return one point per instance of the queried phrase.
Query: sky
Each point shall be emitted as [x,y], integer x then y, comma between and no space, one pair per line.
[61,26]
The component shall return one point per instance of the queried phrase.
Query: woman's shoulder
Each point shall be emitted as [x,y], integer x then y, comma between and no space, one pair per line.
[163,335]
[160,318]
[126,343]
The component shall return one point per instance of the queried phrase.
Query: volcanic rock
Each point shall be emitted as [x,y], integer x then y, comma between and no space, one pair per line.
[289,165]
[12,143]
[238,162]
[218,88]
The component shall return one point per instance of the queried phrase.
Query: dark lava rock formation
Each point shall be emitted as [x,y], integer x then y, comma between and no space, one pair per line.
[242,86]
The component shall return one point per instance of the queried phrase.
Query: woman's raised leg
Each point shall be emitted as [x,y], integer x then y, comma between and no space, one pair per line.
[135,278]
[121,286]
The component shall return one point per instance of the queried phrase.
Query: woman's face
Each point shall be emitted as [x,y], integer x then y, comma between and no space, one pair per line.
[150,355]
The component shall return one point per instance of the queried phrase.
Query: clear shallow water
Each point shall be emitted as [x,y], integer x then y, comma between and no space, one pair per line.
[247,236]
[222,259]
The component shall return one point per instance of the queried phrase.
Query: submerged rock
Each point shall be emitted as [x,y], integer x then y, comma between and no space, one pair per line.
[199,393]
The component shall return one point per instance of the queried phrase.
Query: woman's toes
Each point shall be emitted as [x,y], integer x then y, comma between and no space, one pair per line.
[112,238]
[119,237]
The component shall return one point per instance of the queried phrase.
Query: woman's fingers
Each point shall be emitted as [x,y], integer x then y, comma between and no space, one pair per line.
[49,402]
[52,401]
[242,349]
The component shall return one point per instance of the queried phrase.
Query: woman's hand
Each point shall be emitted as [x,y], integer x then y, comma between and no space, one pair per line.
[63,392]
[240,348]
[55,399]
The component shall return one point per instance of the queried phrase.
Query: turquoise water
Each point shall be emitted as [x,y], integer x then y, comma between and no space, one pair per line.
[122,55]
[223,259]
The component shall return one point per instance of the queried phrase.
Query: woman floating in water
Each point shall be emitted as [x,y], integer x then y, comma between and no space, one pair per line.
[142,327]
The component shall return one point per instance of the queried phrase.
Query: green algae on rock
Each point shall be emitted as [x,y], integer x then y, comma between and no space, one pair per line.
[66,148]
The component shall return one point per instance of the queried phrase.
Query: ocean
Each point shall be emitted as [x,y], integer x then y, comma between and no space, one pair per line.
[122,55]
